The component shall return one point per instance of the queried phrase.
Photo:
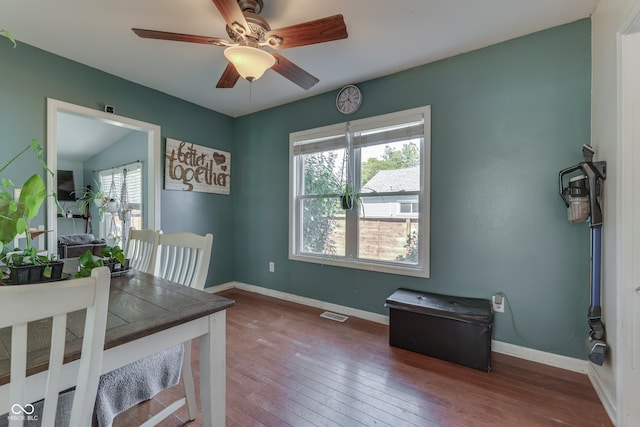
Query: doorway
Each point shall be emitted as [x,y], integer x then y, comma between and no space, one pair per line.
[59,110]
[628,354]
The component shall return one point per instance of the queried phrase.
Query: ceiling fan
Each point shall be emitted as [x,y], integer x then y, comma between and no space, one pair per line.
[251,36]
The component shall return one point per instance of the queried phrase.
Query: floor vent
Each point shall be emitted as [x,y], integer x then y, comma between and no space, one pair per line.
[334,316]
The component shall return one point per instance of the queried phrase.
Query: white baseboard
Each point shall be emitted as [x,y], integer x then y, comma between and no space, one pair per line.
[550,359]
[340,309]
[603,393]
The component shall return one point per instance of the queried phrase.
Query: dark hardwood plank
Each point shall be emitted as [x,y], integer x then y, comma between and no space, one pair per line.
[286,366]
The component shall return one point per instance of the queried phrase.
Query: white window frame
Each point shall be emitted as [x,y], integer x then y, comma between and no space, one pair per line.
[348,128]
[104,177]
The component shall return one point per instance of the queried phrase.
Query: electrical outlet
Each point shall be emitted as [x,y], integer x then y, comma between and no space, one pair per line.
[272,266]
[497,301]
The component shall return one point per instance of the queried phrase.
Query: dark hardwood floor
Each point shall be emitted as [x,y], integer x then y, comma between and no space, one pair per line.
[288,366]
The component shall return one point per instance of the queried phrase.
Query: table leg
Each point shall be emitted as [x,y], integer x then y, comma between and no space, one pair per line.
[213,371]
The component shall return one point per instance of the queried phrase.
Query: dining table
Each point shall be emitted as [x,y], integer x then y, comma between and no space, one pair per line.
[146,314]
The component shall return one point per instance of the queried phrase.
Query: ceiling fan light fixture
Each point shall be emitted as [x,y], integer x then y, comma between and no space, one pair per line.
[250,62]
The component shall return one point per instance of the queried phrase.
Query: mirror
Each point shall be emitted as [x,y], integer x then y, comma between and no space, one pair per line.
[87,125]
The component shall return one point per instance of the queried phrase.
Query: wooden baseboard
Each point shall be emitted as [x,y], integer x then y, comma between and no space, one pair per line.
[550,359]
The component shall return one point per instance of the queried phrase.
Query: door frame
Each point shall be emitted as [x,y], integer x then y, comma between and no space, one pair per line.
[628,212]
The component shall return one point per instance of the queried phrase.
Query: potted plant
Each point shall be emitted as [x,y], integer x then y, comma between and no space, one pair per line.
[16,216]
[349,198]
[114,258]
[95,197]
[87,262]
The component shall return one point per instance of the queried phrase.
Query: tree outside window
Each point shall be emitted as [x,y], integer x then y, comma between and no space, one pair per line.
[385,160]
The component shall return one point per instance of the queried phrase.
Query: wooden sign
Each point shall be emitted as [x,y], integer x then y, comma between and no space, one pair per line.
[191,167]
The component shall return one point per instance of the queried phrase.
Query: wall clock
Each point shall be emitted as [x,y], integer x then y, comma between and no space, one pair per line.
[349,99]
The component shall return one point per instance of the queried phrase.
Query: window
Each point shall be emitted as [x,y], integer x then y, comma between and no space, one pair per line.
[383,163]
[409,207]
[111,182]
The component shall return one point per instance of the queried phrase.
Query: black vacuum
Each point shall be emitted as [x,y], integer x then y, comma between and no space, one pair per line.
[581,195]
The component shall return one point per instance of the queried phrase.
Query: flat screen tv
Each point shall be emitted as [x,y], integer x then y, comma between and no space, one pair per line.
[66,186]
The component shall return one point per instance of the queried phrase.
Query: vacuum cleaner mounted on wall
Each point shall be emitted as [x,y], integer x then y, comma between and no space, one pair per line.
[582,197]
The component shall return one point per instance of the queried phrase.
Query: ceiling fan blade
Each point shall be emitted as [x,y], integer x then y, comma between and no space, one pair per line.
[291,71]
[312,32]
[232,13]
[163,35]
[229,77]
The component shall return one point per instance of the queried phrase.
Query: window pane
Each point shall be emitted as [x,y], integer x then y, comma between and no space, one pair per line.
[323,225]
[324,173]
[390,167]
[386,234]
[386,161]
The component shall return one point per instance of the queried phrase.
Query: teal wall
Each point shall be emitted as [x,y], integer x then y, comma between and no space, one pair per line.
[505,120]
[30,76]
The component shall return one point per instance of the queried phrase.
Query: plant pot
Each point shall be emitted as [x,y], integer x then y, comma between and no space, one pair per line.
[52,270]
[98,198]
[115,266]
[112,206]
[346,202]
[28,273]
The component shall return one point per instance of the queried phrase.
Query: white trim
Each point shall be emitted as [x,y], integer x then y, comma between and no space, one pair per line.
[351,259]
[55,106]
[603,392]
[341,309]
[550,359]
[627,373]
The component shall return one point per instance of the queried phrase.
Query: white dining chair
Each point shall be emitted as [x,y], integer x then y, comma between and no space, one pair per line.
[183,258]
[142,246]
[20,305]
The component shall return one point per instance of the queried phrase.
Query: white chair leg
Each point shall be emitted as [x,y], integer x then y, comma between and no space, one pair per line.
[187,378]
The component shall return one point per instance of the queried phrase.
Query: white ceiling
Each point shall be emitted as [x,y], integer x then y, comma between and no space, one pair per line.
[80,138]
[384,37]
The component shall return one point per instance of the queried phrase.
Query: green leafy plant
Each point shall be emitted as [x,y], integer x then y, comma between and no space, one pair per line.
[110,255]
[411,247]
[8,35]
[97,197]
[16,215]
[113,254]
[25,256]
[87,262]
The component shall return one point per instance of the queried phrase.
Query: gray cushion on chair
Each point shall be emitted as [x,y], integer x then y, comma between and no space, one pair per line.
[136,382]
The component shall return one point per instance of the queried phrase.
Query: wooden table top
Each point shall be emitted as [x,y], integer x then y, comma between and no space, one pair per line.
[140,304]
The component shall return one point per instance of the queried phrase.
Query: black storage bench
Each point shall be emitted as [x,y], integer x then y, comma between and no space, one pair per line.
[451,328]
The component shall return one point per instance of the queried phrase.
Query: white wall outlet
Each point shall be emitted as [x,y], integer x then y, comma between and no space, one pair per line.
[272,266]
[497,301]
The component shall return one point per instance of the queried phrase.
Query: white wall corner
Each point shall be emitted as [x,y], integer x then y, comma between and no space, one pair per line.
[603,393]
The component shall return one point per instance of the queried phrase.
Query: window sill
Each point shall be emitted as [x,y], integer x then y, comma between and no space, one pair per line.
[415,271]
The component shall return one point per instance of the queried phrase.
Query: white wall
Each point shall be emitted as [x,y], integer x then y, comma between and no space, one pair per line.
[606,21]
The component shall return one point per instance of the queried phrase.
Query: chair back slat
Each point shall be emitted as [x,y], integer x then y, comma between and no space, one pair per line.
[18,367]
[184,258]
[47,301]
[58,334]
[142,247]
